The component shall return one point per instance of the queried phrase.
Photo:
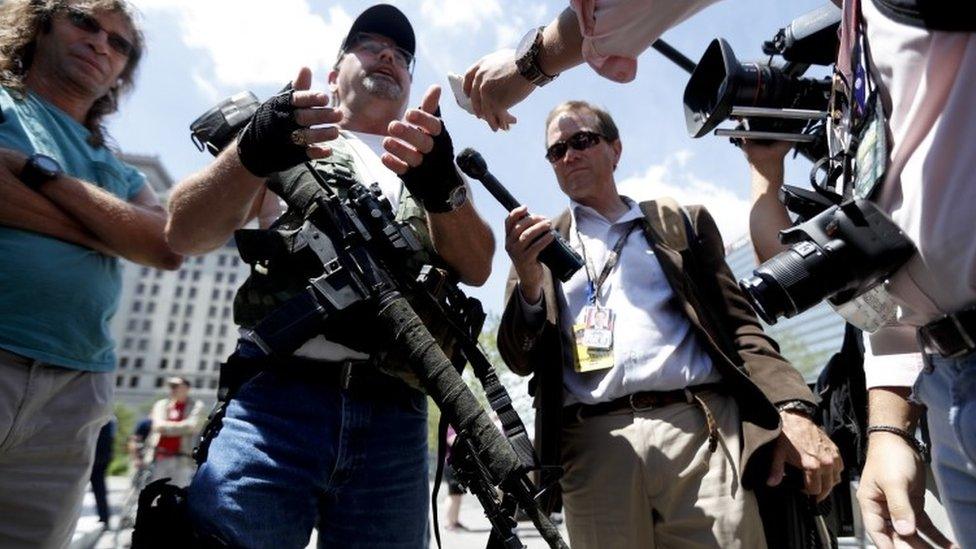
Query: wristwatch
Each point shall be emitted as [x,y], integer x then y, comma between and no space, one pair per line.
[527,58]
[39,169]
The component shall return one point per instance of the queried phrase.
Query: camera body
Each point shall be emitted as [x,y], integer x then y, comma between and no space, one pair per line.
[839,254]
[215,129]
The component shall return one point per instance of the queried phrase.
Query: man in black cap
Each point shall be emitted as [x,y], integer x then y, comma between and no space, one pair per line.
[333,436]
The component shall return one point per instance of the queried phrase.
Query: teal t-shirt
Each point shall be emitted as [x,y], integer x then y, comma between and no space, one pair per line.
[56,298]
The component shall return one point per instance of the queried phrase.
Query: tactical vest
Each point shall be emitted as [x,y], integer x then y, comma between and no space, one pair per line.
[277,274]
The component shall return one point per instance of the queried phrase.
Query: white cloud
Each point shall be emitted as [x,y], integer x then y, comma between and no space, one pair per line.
[674,177]
[254,42]
[485,26]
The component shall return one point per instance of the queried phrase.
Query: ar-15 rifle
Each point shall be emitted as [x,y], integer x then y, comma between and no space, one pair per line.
[362,250]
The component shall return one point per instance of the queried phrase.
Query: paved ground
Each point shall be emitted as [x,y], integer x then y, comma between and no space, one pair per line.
[89,534]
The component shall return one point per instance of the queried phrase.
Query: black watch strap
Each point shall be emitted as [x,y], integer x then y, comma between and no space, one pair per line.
[39,169]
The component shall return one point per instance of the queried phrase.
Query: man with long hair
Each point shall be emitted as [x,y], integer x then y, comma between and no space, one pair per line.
[68,210]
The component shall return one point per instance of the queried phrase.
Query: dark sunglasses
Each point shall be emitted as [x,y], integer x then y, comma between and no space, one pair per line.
[579,141]
[84,21]
[375,46]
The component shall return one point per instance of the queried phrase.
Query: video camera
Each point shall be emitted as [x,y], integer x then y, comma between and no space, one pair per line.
[770,102]
[842,246]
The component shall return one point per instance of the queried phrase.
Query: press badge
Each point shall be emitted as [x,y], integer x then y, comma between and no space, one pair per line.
[594,339]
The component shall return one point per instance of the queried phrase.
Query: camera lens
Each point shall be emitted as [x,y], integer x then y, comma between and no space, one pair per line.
[791,282]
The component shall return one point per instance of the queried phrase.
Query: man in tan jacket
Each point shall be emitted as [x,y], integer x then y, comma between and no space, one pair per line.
[658,392]
[176,421]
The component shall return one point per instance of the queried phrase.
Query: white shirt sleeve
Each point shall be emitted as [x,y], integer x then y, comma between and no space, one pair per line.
[891,357]
[615,32]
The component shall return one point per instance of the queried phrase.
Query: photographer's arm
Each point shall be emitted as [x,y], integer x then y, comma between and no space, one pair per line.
[768,215]
[891,492]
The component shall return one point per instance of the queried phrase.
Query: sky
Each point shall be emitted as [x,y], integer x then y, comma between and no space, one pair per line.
[201,51]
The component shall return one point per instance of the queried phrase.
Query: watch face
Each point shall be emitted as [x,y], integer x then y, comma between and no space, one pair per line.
[526,44]
[46,165]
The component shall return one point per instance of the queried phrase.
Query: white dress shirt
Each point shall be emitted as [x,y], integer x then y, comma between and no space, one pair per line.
[654,346]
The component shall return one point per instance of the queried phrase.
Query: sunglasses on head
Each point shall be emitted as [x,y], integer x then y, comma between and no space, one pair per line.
[579,141]
[374,46]
[86,22]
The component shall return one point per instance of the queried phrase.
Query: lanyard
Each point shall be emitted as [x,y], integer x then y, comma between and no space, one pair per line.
[594,287]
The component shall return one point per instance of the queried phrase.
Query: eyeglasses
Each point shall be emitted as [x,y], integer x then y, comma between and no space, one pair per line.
[84,21]
[374,46]
[579,141]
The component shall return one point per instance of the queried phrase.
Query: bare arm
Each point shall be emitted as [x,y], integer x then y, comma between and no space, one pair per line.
[768,215]
[133,229]
[208,206]
[562,44]
[494,84]
[22,208]
[465,241]
[891,493]
[460,236]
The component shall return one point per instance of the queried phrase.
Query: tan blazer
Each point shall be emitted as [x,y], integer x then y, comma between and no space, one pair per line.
[187,428]
[756,375]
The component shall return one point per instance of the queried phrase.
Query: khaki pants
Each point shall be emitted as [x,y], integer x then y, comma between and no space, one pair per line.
[49,422]
[647,479]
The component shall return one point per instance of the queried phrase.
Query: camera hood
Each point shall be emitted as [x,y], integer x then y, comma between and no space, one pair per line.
[711,89]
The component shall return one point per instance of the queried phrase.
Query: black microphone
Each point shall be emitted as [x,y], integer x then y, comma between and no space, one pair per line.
[558,256]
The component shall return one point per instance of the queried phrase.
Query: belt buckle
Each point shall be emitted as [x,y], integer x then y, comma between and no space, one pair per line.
[634,406]
[967,338]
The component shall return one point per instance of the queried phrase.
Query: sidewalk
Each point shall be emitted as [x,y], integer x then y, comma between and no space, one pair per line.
[89,535]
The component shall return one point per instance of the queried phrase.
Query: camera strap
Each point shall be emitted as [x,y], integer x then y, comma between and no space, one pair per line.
[858,137]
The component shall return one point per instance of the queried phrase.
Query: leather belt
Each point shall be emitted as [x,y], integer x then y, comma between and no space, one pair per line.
[351,375]
[952,335]
[640,401]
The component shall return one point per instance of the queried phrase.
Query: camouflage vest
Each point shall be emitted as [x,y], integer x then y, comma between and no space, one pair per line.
[276,276]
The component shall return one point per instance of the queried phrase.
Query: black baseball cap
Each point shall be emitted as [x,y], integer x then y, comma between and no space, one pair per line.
[385,20]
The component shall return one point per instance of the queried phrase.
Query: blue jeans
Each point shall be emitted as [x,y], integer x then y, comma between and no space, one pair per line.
[948,390]
[294,454]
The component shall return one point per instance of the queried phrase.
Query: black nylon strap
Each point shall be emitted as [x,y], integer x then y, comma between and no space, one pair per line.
[611,262]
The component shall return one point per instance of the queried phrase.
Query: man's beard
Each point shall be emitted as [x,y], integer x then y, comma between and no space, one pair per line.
[382,86]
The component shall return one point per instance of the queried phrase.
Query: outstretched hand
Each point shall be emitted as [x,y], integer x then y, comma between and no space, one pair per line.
[413,137]
[494,85]
[286,129]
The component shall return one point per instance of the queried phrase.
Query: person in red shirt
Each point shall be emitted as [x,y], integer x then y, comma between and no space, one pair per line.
[175,424]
